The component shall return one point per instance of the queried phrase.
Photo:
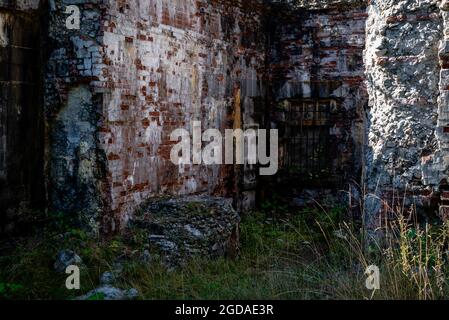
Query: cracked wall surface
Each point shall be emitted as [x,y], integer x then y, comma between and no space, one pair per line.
[21,119]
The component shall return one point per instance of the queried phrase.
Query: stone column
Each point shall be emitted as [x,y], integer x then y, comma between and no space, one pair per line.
[443,110]
[402,157]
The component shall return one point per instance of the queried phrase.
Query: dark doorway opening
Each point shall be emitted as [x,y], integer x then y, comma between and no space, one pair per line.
[308,148]
[21,118]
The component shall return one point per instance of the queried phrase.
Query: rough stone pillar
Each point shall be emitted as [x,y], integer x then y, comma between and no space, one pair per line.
[403,151]
[443,109]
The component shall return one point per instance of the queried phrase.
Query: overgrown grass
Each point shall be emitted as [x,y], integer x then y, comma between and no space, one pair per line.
[311,254]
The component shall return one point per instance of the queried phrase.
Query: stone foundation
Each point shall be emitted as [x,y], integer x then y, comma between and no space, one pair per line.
[178,228]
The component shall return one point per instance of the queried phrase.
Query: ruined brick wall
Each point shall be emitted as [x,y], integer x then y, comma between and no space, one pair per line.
[21,120]
[137,70]
[405,150]
[169,63]
[133,73]
[317,58]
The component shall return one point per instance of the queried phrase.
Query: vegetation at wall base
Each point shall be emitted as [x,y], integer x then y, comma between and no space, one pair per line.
[285,254]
